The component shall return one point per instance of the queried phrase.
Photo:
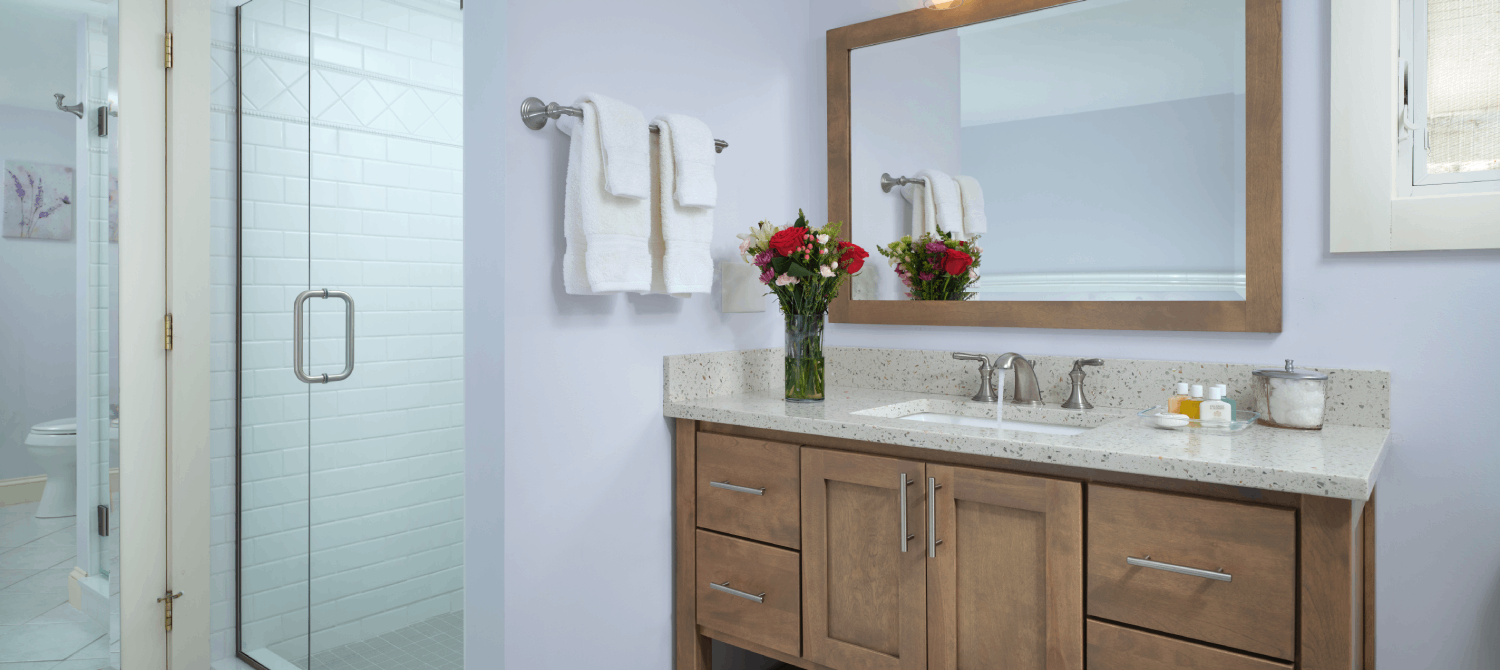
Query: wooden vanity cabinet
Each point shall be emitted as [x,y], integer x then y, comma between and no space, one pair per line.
[1027,568]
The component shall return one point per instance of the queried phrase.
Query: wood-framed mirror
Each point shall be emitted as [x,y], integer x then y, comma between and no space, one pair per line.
[1128,153]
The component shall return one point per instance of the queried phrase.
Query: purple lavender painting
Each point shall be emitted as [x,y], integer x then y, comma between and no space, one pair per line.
[38,201]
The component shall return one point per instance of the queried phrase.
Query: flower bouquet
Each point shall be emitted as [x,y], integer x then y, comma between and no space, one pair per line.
[935,268]
[804,267]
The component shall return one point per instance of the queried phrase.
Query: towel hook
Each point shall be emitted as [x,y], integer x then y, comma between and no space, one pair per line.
[887,182]
[534,113]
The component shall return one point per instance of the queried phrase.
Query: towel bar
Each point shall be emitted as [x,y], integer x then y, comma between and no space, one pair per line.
[887,182]
[534,113]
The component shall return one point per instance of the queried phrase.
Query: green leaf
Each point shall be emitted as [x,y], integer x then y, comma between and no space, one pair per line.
[796,270]
[779,264]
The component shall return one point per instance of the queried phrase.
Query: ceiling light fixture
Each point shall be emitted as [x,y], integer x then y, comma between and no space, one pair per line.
[941,4]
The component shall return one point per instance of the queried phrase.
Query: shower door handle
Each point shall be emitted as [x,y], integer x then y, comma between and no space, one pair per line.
[297,336]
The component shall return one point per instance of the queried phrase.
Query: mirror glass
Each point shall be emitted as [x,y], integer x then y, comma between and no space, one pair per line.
[1091,151]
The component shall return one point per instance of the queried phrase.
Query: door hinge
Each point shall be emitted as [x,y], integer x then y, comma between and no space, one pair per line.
[169,332]
[169,51]
[168,600]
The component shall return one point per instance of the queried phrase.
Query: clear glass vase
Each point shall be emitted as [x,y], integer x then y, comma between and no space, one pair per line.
[804,357]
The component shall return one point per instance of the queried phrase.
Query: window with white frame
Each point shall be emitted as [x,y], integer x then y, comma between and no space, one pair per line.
[1414,134]
[1449,90]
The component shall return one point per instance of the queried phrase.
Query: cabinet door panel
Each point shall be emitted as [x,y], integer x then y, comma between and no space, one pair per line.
[1005,588]
[863,597]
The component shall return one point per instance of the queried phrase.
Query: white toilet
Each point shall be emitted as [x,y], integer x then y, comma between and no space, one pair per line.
[54,446]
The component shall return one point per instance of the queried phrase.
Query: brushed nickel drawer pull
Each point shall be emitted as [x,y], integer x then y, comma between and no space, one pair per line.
[932,541]
[1179,569]
[736,592]
[742,489]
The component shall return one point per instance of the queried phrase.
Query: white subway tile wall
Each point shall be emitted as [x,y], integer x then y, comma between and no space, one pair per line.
[352,491]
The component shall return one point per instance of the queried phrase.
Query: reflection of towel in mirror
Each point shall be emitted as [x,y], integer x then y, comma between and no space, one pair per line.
[606,235]
[943,192]
[922,214]
[935,205]
[972,199]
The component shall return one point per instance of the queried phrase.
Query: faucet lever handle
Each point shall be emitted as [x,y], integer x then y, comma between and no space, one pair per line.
[960,356]
[1078,364]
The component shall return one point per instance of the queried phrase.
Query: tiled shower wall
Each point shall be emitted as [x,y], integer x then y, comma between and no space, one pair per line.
[352,492]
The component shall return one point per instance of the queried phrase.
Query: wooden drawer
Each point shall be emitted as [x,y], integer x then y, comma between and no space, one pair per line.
[1256,546]
[771,574]
[774,515]
[1112,647]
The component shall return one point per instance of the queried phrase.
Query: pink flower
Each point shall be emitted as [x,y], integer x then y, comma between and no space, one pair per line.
[906,280]
[765,277]
[926,276]
[785,280]
[936,247]
[763,258]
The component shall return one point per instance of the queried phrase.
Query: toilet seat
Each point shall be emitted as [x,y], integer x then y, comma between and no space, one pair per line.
[59,427]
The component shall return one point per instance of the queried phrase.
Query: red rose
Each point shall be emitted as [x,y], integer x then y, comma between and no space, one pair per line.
[853,257]
[787,241]
[955,262]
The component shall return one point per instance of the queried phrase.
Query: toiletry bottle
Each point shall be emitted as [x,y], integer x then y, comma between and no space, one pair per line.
[1190,406]
[1174,403]
[1213,410]
[1224,395]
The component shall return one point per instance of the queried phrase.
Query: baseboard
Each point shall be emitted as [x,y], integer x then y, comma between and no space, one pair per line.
[22,489]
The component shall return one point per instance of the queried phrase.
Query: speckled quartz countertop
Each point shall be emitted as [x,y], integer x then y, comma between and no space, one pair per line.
[1340,461]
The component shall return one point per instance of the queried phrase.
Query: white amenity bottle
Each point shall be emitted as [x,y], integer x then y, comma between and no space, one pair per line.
[1213,410]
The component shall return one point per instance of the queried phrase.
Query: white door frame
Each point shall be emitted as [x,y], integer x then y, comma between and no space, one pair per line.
[187,294]
[163,395]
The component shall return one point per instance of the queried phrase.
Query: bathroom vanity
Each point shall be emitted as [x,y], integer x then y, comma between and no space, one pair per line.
[896,525]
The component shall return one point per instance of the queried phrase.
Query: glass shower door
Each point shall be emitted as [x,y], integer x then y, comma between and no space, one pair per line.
[355,553]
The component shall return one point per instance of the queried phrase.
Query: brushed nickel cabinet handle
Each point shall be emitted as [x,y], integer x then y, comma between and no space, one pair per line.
[901,486]
[932,541]
[742,489]
[1179,569]
[736,592]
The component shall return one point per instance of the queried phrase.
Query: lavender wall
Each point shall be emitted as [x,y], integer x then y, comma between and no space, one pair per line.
[1428,318]
[587,472]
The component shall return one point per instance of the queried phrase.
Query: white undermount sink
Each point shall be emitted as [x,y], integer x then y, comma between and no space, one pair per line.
[1027,426]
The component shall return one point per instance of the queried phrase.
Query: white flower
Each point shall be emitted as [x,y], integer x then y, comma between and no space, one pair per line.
[825,271]
[822,239]
[978,250]
[973,274]
[784,280]
[835,265]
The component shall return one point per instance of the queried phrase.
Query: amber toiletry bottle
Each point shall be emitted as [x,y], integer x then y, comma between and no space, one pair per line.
[1174,403]
[1190,406]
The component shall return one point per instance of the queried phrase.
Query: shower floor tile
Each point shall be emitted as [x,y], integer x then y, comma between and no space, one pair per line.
[433,644]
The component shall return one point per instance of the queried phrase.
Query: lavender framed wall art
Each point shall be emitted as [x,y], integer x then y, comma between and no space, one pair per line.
[38,201]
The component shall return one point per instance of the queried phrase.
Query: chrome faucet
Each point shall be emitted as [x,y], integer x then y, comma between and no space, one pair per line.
[1076,399]
[1026,391]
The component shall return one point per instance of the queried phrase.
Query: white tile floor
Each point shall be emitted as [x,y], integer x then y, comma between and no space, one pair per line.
[39,630]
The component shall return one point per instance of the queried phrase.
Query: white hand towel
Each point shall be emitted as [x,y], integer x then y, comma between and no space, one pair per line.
[625,147]
[943,193]
[693,160]
[607,236]
[923,217]
[686,266]
[972,199]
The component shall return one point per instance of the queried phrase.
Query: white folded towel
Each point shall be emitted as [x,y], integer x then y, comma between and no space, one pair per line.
[943,193]
[923,216]
[972,199]
[685,265]
[693,160]
[606,235]
[625,146]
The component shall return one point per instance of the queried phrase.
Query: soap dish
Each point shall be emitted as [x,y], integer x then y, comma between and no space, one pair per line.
[1151,418]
